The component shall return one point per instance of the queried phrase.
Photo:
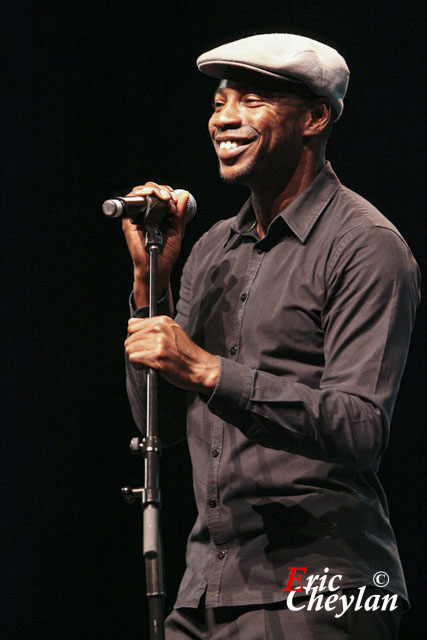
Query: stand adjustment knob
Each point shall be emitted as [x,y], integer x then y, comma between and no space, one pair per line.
[130,495]
[135,445]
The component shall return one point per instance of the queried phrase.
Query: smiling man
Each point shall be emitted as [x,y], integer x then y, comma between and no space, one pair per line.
[289,341]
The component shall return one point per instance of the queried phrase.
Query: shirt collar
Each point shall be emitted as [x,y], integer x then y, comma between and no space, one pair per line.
[299,216]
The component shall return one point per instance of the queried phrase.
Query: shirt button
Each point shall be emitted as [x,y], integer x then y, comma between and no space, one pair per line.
[243,297]
[212,504]
[233,349]
[220,555]
[215,453]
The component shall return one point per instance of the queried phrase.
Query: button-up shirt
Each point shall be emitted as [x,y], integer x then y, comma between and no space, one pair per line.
[311,325]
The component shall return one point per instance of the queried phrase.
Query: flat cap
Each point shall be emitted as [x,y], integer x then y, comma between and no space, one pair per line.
[287,56]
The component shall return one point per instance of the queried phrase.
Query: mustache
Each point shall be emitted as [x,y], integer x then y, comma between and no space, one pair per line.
[243,133]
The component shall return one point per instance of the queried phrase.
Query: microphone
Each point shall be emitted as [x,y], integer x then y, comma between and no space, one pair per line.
[147,210]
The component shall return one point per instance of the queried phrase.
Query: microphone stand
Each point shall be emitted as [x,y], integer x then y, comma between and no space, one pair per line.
[150,448]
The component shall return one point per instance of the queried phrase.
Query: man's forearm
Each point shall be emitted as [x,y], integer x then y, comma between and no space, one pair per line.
[278,413]
[141,291]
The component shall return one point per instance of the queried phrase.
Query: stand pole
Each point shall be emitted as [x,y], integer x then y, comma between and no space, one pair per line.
[150,447]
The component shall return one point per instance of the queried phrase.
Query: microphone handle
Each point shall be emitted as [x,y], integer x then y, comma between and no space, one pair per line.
[126,207]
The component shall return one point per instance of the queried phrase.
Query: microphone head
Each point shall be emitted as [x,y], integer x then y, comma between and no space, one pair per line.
[112,208]
[191,205]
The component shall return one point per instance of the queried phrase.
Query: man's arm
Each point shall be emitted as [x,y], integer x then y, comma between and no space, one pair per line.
[171,405]
[372,293]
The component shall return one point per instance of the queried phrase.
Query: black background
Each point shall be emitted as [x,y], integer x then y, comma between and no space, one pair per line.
[99,96]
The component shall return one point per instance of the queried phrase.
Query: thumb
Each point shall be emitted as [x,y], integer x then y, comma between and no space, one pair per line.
[179,219]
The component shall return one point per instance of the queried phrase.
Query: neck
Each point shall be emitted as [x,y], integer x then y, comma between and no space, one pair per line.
[271,197]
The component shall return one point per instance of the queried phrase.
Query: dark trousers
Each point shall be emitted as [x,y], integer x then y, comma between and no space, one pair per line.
[277,622]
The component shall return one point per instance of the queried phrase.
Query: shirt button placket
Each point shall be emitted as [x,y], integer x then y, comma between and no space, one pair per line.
[253,267]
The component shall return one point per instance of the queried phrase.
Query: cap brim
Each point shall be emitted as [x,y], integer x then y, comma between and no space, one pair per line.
[221,69]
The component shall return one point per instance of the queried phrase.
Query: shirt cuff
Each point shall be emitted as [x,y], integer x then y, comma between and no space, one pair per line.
[143,312]
[233,388]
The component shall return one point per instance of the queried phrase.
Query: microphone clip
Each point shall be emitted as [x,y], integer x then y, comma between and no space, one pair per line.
[153,238]
[154,214]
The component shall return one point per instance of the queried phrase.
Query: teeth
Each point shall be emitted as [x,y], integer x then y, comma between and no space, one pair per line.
[228,145]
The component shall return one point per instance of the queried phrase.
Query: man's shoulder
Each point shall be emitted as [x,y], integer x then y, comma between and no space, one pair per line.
[356,211]
[350,226]
[355,227]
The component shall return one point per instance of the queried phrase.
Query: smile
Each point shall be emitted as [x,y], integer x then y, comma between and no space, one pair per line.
[231,148]
[229,145]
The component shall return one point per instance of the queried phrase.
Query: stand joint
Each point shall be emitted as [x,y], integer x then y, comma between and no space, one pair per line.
[149,444]
[146,495]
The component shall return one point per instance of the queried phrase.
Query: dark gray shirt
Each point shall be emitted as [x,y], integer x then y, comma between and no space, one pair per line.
[312,326]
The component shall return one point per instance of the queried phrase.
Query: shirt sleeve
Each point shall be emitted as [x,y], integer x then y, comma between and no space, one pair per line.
[372,291]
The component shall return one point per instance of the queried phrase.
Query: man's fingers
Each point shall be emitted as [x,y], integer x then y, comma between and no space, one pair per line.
[144,352]
[182,202]
[129,226]
[176,203]
[137,349]
[161,191]
[177,211]
[135,324]
[143,326]
[137,355]
[138,359]
[156,186]
[161,320]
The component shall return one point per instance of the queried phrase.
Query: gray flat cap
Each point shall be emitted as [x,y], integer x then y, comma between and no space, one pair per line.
[287,56]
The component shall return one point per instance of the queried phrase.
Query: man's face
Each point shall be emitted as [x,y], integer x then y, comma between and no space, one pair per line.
[257,132]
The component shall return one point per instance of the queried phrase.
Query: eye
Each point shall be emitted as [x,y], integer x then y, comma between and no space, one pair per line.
[252,100]
[217,104]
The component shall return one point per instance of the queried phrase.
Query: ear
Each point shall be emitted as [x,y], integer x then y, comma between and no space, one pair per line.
[318,117]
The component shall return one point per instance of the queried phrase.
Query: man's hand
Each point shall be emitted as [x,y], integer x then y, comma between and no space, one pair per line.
[173,232]
[160,343]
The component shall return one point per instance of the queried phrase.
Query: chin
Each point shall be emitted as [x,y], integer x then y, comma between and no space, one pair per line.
[235,175]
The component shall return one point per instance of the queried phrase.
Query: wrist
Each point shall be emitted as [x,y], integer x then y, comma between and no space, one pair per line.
[141,289]
[210,375]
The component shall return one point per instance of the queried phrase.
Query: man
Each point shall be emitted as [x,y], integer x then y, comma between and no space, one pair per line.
[290,338]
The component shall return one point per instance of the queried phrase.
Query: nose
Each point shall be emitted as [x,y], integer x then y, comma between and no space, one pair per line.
[228,116]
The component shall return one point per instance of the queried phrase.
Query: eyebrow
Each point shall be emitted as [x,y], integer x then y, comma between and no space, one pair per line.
[220,89]
[264,91]
[273,91]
